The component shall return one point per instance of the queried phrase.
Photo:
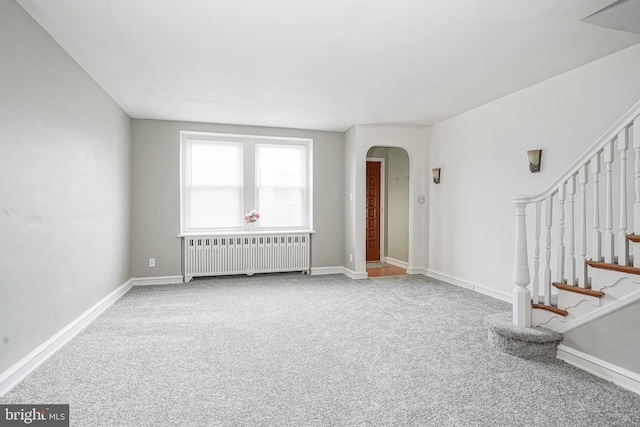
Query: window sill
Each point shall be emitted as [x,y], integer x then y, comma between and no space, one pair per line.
[245,233]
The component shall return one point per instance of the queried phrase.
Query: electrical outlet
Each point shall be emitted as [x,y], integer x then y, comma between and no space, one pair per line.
[152,262]
[350,257]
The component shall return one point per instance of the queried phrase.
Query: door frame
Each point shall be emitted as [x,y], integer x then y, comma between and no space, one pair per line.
[383,195]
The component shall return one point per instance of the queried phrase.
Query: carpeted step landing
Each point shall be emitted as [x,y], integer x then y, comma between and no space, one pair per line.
[527,343]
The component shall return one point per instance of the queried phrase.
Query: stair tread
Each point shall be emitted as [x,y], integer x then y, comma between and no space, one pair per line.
[555,310]
[615,267]
[633,237]
[578,290]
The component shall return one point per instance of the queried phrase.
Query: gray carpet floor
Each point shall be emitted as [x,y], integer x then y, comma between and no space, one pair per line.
[287,349]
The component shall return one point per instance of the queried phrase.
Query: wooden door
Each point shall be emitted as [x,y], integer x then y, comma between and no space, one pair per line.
[373,211]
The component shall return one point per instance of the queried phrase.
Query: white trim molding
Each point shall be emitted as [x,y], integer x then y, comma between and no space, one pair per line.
[481,289]
[600,368]
[354,275]
[159,280]
[395,262]
[319,271]
[19,370]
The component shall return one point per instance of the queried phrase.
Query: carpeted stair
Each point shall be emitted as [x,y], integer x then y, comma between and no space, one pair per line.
[527,343]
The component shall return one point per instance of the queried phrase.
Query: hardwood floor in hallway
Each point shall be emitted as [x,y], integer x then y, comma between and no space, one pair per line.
[389,270]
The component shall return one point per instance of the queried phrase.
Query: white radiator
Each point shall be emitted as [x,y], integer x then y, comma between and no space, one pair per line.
[245,254]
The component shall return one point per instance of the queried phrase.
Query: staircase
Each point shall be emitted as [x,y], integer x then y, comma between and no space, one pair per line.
[583,234]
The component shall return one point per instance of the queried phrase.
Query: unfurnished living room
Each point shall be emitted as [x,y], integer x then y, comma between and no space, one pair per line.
[310,213]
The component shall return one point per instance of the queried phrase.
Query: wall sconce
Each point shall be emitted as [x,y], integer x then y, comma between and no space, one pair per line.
[436,175]
[534,160]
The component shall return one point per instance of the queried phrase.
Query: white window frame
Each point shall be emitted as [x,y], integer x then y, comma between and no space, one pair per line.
[250,187]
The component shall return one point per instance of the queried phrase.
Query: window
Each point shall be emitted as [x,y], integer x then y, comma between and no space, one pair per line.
[224,176]
[281,185]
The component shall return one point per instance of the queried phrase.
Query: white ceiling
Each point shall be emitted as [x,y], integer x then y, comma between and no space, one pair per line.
[322,64]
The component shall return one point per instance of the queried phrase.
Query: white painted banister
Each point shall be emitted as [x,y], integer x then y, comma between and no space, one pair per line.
[571,262]
[583,178]
[536,256]
[522,296]
[547,269]
[609,244]
[562,196]
[636,178]
[596,241]
[576,245]
[623,246]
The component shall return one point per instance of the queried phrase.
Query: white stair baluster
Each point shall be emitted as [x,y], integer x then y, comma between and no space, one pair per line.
[571,267]
[536,257]
[609,237]
[547,270]
[636,176]
[623,245]
[596,239]
[583,178]
[521,294]
[562,195]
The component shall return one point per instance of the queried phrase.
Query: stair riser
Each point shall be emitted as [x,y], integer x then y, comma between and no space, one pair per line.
[546,318]
[568,299]
[614,283]
[618,288]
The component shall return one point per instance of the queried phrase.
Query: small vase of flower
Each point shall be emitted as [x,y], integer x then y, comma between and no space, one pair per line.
[251,218]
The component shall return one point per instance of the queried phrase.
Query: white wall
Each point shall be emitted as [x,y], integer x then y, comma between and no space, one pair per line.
[483,158]
[617,331]
[358,142]
[350,141]
[398,175]
[155,214]
[64,191]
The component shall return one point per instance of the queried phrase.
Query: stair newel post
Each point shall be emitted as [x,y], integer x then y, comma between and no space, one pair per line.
[562,196]
[536,255]
[609,242]
[583,178]
[521,294]
[596,243]
[623,244]
[636,178]
[571,270]
[548,221]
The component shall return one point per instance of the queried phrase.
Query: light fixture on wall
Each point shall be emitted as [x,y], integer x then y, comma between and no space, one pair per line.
[436,175]
[534,160]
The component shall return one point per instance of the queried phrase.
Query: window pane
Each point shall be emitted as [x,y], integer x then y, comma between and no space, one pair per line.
[216,164]
[282,207]
[215,185]
[211,207]
[281,165]
[281,176]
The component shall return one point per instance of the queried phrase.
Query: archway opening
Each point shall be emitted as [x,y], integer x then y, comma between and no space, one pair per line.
[387,211]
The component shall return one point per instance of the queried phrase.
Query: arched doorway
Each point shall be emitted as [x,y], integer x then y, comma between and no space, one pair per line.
[387,211]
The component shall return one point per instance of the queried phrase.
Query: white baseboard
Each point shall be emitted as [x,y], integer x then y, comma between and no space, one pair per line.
[470,285]
[318,271]
[159,280]
[422,271]
[353,275]
[23,367]
[395,262]
[600,368]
